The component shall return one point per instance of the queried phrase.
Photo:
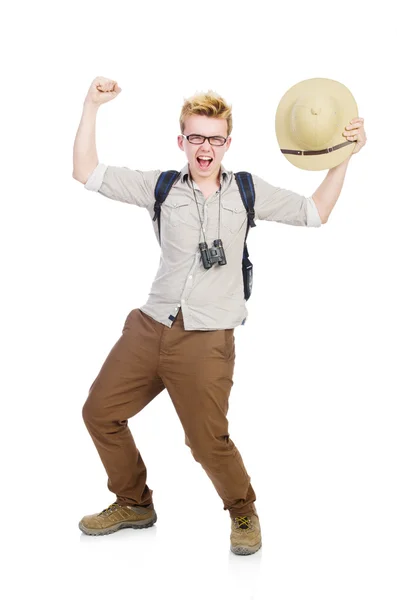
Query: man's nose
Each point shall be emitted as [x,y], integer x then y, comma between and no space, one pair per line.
[206,145]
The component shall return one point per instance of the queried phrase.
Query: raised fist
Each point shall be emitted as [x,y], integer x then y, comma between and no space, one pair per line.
[102,90]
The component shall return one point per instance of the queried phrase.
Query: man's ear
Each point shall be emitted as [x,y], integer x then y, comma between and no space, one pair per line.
[229,141]
[180,142]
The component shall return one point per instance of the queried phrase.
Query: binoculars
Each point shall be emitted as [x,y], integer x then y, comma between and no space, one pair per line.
[213,255]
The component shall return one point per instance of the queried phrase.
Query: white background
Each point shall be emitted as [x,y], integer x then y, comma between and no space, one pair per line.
[313,406]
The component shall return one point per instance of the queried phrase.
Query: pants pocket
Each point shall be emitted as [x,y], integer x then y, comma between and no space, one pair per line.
[127,321]
[229,344]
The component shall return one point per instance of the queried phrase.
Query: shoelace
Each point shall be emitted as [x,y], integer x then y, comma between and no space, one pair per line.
[112,507]
[242,522]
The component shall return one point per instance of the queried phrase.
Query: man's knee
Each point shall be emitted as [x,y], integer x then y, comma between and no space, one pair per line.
[90,411]
[204,450]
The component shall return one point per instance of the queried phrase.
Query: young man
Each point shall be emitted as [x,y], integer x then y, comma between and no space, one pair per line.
[182,338]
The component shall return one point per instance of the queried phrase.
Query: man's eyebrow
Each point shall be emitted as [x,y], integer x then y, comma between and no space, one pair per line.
[202,134]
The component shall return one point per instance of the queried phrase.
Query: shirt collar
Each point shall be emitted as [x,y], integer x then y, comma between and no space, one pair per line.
[226,175]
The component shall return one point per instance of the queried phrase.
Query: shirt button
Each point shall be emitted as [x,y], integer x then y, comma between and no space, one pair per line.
[190,276]
[183,299]
[235,210]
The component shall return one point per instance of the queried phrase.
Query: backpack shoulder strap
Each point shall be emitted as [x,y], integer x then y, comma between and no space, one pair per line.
[162,189]
[247,192]
[163,186]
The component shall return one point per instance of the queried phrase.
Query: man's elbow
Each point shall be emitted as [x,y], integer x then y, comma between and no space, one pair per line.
[78,177]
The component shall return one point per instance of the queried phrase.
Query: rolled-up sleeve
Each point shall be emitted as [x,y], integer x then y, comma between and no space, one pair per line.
[284,206]
[124,184]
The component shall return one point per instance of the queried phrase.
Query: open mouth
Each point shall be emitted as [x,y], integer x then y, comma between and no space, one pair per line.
[204,162]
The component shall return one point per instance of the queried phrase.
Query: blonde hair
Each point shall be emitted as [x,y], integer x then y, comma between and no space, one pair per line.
[209,104]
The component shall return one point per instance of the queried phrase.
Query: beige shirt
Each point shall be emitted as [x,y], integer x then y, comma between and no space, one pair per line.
[209,298]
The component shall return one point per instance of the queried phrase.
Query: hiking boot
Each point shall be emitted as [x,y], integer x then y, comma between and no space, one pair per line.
[117,517]
[246,535]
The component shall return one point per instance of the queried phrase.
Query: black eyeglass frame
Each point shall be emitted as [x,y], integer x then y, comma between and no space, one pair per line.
[209,138]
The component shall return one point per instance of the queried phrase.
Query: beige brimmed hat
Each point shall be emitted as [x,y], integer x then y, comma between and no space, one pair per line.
[310,120]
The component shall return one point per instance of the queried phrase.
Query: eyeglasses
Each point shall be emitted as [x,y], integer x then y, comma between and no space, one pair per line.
[214,140]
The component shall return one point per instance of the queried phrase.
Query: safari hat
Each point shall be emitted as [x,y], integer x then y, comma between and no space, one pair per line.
[310,120]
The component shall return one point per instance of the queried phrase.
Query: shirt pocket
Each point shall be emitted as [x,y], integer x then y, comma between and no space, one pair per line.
[234,214]
[180,212]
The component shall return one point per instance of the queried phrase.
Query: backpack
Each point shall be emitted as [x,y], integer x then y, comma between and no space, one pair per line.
[247,193]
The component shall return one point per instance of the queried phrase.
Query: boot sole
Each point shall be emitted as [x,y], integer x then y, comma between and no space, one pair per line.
[245,549]
[143,524]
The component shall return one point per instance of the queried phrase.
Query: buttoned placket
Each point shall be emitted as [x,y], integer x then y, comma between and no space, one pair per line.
[189,281]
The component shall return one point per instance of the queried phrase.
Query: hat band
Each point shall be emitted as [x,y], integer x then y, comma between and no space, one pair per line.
[312,152]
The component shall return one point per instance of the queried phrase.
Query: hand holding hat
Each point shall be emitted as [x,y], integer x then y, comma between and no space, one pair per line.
[312,124]
[355,131]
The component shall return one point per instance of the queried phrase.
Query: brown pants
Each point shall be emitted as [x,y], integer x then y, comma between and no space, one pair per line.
[196,367]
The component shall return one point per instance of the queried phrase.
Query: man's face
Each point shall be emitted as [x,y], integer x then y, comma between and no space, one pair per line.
[207,126]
